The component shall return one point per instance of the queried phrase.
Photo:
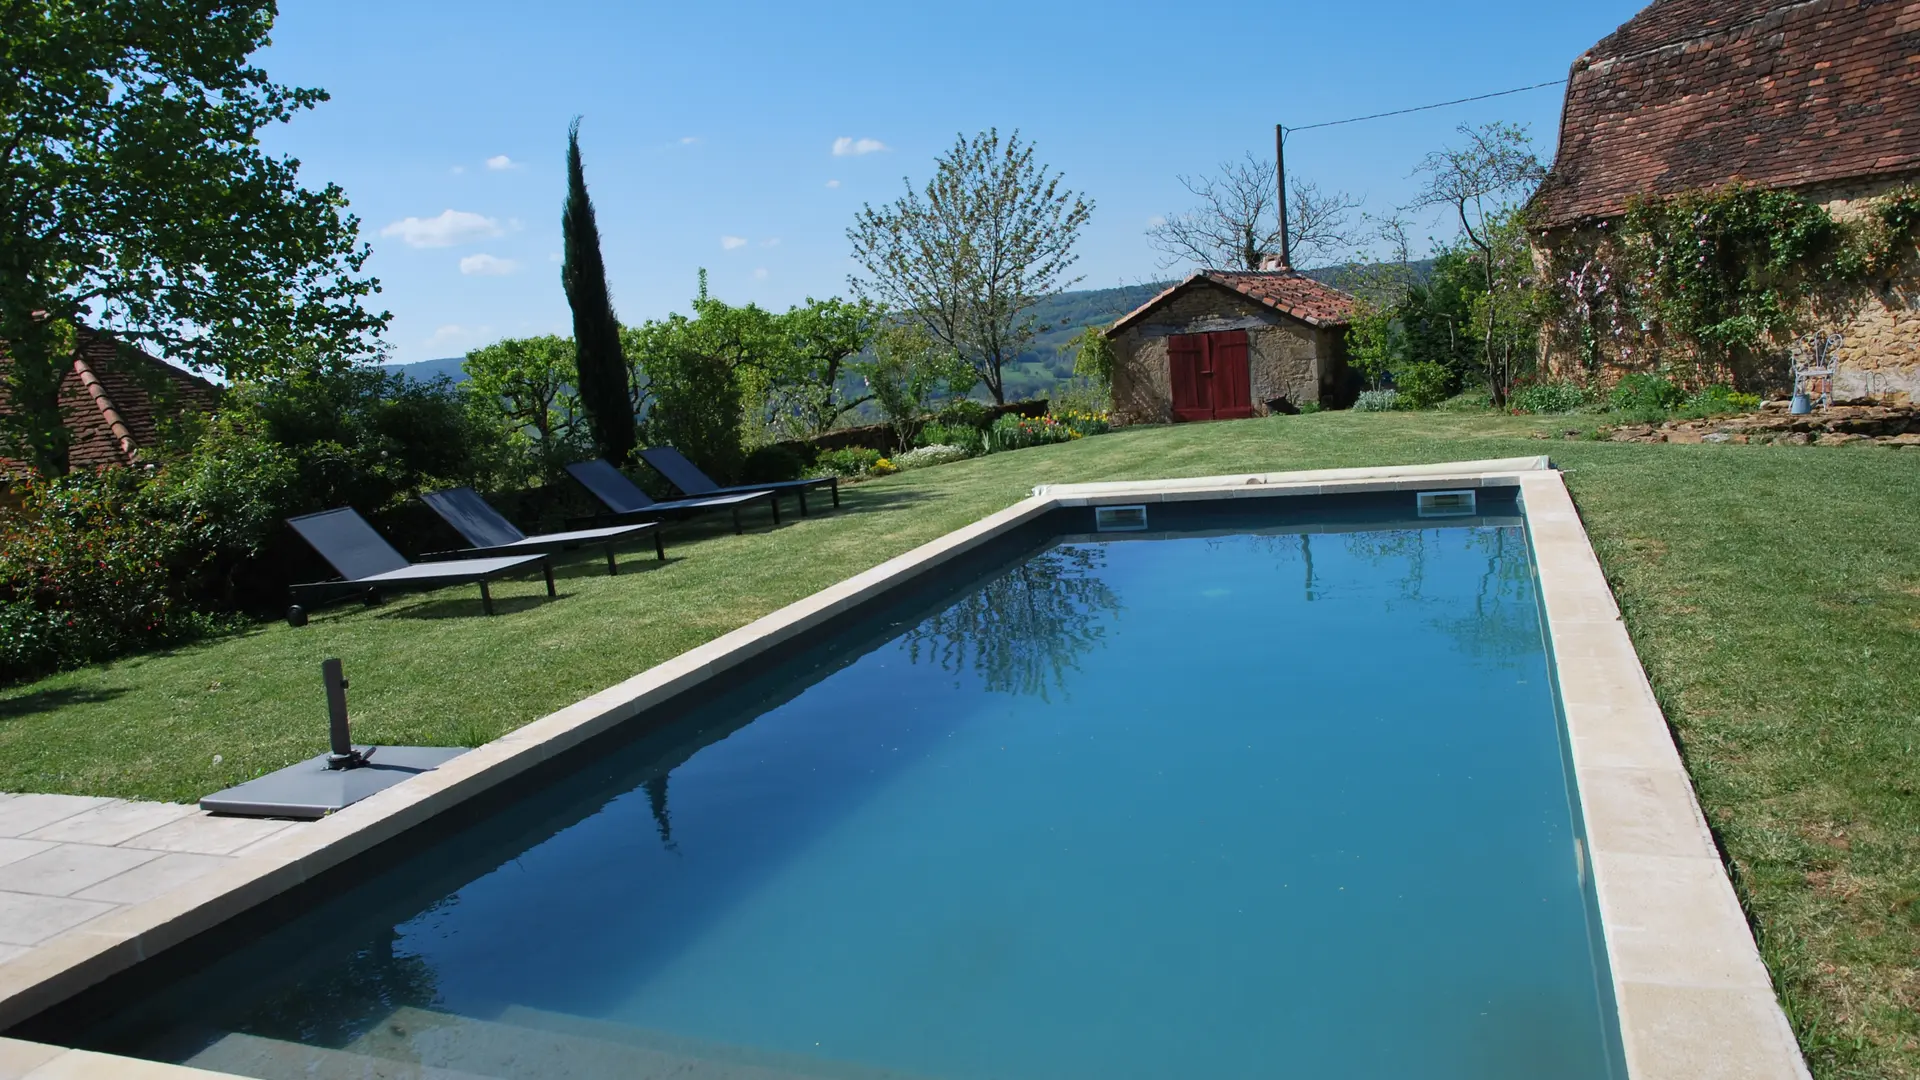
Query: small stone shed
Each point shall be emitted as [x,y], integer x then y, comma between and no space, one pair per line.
[115,400]
[1231,344]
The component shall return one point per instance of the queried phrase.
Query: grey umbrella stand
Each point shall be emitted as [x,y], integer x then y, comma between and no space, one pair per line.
[334,780]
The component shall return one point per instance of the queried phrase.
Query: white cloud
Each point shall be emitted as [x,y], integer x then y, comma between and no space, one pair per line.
[771,241]
[847,146]
[1156,221]
[731,242]
[689,140]
[487,265]
[455,334]
[833,183]
[759,273]
[450,228]
[458,169]
[501,163]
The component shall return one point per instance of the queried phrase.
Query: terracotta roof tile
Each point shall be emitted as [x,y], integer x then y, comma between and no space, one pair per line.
[1287,291]
[1700,93]
[136,388]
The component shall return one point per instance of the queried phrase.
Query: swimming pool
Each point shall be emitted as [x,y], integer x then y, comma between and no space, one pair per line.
[1251,794]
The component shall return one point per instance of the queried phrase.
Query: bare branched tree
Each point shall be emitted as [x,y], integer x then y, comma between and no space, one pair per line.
[1237,226]
[1485,181]
[991,235]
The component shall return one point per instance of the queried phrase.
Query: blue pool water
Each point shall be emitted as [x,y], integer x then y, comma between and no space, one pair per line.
[1249,804]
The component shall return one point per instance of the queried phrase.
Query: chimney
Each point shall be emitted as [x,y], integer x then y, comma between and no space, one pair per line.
[1276,262]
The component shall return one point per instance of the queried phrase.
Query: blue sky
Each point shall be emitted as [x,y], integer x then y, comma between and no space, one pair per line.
[742,137]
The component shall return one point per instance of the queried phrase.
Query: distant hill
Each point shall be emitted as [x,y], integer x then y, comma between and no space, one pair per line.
[1044,363]
[428,370]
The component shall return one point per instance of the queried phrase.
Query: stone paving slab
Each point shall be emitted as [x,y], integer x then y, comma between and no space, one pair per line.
[66,860]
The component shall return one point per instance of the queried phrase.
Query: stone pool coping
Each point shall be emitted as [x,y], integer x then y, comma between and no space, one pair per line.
[1694,999]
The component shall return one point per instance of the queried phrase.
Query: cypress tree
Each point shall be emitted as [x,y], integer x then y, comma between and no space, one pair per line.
[600,367]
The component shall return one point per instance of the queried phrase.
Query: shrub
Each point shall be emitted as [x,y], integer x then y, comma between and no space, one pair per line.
[1548,397]
[851,461]
[696,409]
[964,436]
[883,467]
[1079,395]
[1423,385]
[1014,432]
[1308,408]
[91,566]
[773,463]
[963,412]
[1468,401]
[1377,401]
[930,455]
[1644,396]
[1718,401]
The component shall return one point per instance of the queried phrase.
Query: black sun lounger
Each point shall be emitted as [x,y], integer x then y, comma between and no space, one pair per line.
[492,534]
[685,475]
[624,499]
[369,564]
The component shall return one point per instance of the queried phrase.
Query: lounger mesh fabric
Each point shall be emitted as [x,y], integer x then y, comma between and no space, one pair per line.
[621,495]
[680,472]
[469,514]
[346,541]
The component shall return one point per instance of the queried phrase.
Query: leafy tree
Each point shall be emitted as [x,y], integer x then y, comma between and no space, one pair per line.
[1093,356]
[1237,225]
[525,384]
[600,366]
[1485,182]
[907,371]
[991,235]
[135,196]
[824,338]
[694,395]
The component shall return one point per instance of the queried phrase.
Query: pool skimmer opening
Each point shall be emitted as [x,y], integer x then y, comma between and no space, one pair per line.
[1445,504]
[1120,519]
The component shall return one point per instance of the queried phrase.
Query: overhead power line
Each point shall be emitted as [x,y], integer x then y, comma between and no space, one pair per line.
[1424,108]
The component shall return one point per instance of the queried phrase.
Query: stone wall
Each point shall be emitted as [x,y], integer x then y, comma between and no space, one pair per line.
[1881,326]
[1286,357]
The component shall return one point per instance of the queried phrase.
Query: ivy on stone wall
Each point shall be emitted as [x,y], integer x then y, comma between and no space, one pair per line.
[1715,280]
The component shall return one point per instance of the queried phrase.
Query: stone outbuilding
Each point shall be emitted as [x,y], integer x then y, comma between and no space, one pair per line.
[1819,97]
[1231,344]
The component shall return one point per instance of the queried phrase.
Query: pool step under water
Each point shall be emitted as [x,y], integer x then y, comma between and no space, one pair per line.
[524,1044]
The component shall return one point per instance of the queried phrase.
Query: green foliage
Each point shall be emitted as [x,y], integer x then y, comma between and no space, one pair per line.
[88,566]
[908,370]
[1015,432]
[1081,424]
[1644,397]
[1307,408]
[970,257]
[1718,400]
[695,396]
[806,391]
[523,385]
[851,461]
[1093,355]
[1557,396]
[965,436]
[1424,384]
[772,463]
[136,193]
[600,366]
[1080,394]
[1374,342]
[964,412]
[1377,401]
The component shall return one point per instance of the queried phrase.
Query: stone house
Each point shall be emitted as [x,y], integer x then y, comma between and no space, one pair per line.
[116,401]
[1820,97]
[1231,344]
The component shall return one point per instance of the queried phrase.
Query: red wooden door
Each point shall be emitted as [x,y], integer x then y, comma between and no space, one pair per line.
[1209,376]
[1190,379]
[1232,384]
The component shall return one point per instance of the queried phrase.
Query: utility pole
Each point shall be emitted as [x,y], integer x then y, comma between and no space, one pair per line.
[1280,162]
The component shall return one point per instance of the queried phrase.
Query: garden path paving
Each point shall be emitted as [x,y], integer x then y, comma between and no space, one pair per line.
[66,860]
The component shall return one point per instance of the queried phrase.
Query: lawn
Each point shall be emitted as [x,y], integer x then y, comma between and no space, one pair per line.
[1773,592]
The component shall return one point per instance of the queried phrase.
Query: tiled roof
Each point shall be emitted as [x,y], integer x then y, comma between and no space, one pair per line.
[1701,93]
[113,401]
[1286,291]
